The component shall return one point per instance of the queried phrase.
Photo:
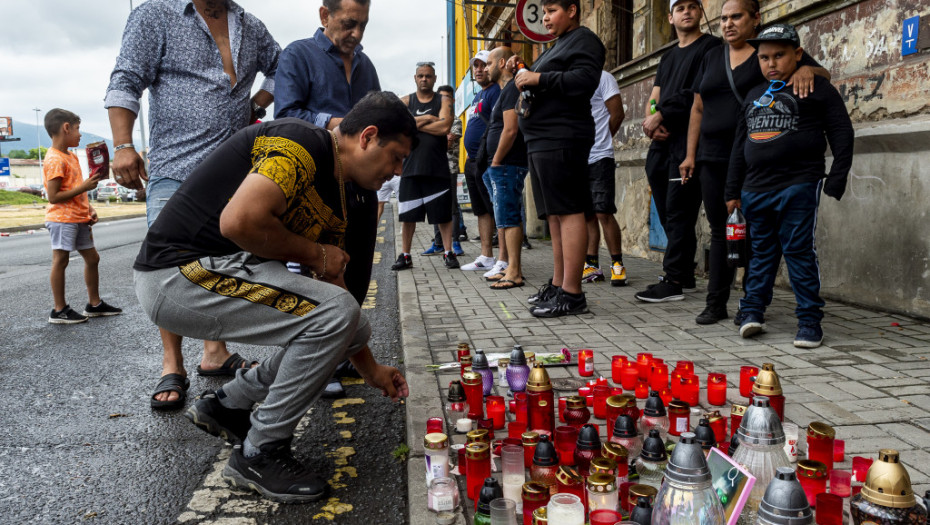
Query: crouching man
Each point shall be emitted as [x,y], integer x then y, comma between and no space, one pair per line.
[211,267]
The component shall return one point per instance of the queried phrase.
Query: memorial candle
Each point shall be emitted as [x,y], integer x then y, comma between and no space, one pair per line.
[495,405]
[617,363]
[717,389]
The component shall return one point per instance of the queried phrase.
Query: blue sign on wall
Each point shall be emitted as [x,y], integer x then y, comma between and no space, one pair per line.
[4,167]
[909,36]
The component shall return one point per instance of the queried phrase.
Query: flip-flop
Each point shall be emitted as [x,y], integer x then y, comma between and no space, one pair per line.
[496,277]
[171,383]
[228,368]
[508,284]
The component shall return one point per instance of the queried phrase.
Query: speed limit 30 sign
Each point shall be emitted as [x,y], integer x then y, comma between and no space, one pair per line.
[529,16]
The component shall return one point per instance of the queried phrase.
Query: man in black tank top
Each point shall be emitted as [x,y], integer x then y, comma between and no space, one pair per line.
[425,192]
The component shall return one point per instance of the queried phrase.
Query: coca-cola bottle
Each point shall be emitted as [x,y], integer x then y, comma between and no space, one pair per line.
[736,239]
[525,103]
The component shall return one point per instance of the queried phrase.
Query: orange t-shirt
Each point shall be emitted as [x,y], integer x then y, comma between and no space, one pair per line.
[66,167]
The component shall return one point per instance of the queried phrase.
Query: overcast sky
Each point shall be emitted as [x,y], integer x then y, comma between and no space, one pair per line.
[59,53]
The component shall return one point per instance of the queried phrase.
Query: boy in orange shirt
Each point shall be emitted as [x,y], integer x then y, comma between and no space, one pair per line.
[69,218]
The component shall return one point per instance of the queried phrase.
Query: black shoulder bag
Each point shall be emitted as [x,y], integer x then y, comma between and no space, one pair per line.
[726,61]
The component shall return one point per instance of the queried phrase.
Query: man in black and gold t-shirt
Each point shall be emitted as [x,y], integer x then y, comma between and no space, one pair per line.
[211,267]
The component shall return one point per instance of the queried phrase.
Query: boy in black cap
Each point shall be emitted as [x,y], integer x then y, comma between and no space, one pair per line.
[776,175]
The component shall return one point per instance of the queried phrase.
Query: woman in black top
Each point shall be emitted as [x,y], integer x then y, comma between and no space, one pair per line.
[712,127]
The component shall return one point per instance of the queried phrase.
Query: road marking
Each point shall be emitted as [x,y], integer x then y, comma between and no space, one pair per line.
[370,298]
[342,418]
[379,240]
[504,309]
[376,258]
[332,508]
[339,403]
[381,229]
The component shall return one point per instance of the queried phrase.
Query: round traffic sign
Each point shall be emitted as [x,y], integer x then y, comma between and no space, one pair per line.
[529,14]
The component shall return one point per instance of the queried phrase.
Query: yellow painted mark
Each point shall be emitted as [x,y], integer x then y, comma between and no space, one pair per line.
[342,419]
[383,221]
[379,240]
[332,508]
[370,303]
[504,309]
[345,434]
[376,258]
[335,483]
[339,403]
[341,455]
[381,229]
[352,381]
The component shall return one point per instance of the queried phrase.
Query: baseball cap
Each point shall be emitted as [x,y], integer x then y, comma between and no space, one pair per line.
[777,33]
[672,3]
[482,55]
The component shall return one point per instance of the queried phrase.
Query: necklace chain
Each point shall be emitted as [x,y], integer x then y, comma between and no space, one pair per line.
[342,186]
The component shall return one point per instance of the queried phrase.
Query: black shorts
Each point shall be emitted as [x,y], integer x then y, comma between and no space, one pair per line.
[425,198]
[477,191]
[602,177]
[560,181]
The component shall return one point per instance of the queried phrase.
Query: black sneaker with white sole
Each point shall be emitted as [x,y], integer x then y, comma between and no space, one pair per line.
[66,316]
[662,292]
[403,262]
[275,473]
[101,310]
[231,424]
[450,260]
[564,303]
[545,293]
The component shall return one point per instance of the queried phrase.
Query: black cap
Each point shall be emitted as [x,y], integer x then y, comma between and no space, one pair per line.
[489,492]
[545,455]
[588,438]
[625,427]
[642,512]
[456,392]
[654,406]
[653,447]
[704,434]
[777,33]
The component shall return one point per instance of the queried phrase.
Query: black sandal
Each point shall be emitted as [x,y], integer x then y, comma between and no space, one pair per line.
[508,284]
[228,368]
[171,383]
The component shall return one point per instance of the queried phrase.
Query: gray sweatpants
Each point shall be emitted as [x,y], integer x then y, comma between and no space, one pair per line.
[244,299]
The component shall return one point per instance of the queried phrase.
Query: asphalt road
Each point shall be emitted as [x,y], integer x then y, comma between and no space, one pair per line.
[79,443]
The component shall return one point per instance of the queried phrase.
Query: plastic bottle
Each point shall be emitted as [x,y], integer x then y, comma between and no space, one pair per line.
[525,104]
[736,239]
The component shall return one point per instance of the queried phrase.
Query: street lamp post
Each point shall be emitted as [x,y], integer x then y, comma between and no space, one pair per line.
[38,139]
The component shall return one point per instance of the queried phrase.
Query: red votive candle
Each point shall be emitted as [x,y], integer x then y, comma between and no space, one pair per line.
[515,429]
[690,389]
[617,363]
[487,424]
[860,466]
[839,450]
[642,389]
[747,377]
[434,424]
[520,413]
[566,438]
[601,393]
[813,478]
[820,443]
[474,394]
[616,391]
[679,417]
[717,389]
[829,509]
[666,395]
[602,381]
[589,399]
[841,483]
[479,467]
[495,406]
[562,401]
[629,375]
[675,383]
[658,378]
[584,391]
[585,363]
[644,364]
[685,366]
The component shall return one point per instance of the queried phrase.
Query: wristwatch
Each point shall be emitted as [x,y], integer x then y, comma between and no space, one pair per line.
[258,110]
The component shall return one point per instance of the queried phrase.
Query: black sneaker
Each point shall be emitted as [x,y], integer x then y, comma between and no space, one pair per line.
[526,244]
[450,260]
[563,304]
[494,240]
[66,316]
[711,315]
[333,389]
[662,292]
[275,473]
[739,317]
[231,424]
[403,262]
[101,310]
[545,293]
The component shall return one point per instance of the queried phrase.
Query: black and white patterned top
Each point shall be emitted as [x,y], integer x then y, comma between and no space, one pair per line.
[167,48]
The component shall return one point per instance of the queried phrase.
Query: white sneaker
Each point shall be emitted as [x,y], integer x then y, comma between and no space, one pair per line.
[481,263]
[499,267]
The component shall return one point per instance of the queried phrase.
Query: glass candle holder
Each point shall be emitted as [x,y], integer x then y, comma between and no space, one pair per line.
[675,383]
[464,365]
[658,378]
[841,483]
[820,437]
[584,391]
[520,400]
[601,393]
[502,365]
[563,401]
[565,509]
[717,389]
[496,409]
[585,363]
[474,394]
[829,509]
[530,440]
[605,517]
[534,496]
[515,429]
[602,465]
[620,456]
[691,389]
[644,364]
[617,363]
[839,450]
[462,351]
[747,376]
[479,467]
[443,495]
[666,395]
[487,424]
[513,472]
[436,456]
[540,411]
[602,492]
[642,389]
[615,406]
[791,441]
[569,481]
[504,511]
[576,412]
[679,417]
[860,466]
[813,478]
[565,441]
[629,374]
[719,425]
[736,417]
[685,366]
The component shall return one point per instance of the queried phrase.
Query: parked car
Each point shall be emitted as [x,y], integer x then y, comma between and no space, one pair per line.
[126,194]
[37,191]
[107,189]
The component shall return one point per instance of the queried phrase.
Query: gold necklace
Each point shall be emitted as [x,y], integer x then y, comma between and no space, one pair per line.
[342,187]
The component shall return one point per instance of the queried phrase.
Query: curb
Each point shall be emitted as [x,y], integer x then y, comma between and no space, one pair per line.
[425,397]
[27,227]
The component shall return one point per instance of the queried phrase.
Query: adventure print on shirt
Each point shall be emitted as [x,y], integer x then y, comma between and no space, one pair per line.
[774,121]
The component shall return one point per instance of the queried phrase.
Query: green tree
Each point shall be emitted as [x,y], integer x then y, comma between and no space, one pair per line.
[18,154]
[34,152]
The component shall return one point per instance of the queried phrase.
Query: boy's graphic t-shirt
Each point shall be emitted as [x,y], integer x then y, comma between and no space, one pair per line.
[65,166]
[783,142]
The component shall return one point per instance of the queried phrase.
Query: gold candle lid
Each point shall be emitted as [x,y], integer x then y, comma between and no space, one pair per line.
[575,403]
[538,380]
[504,362]
[435,441]
[602,482]
[713,416]
[602,465]
[478,451]
[539,516]
[479,435]
[535,491]
[738,410]
[808,468]
[767,382]
[643,491]
[530,356]
[471,378]
[618,401]
[568,476]
[615,451]
[630,399]
[466,360]
[821,430]
[888,483]
[530,438]
[464,346]
[678,405]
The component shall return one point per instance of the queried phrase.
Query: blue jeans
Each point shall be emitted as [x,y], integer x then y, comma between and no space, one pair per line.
[784,221]
[157,193]
[505,184]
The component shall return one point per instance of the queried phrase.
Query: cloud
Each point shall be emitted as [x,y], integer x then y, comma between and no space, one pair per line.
[60,54]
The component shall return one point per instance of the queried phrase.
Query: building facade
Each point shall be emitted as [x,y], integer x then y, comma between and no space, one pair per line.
[874,245]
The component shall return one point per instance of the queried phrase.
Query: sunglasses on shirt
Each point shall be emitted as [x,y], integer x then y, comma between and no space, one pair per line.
[768,97]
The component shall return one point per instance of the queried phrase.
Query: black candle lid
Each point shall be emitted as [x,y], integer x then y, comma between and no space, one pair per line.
[479,361]
[654,406]
[588,438]
[517,357]
[625,427]
[642,512]
[653,447]
[456,392]
[545,455]
[705,435]
[489,492]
